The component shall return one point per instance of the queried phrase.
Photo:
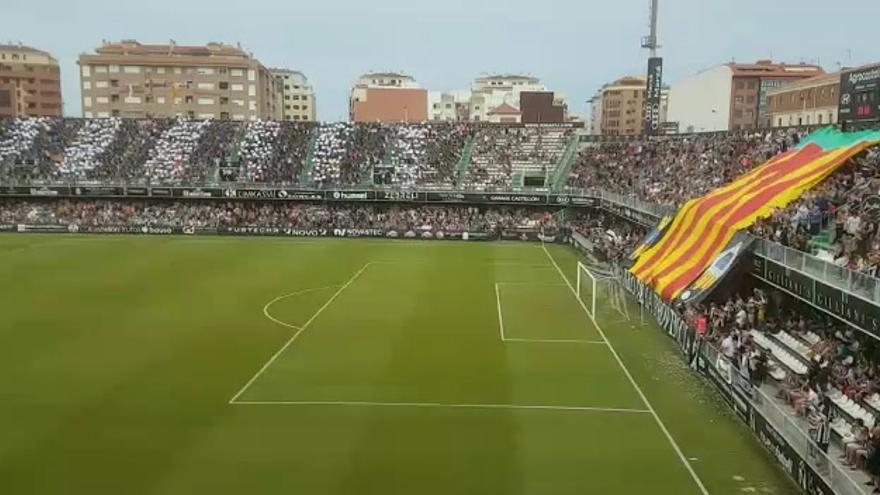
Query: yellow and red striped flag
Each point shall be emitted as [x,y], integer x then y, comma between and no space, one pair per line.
[704,227]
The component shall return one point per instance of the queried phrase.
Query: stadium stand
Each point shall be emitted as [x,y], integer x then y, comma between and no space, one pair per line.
[503,153]
[671,170]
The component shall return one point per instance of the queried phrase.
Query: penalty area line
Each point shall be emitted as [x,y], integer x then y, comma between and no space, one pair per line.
[299,332]
[632,380]
[440,405]
[557,341]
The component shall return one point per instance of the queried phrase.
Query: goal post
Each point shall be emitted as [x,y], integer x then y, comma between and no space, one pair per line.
[601,292]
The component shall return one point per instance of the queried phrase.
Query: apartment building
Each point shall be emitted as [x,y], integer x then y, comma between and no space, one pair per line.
[215,81]
[296,97]
[618,109]
[30,83]
[388,97]
[732,96]
[806,102]
[494,98]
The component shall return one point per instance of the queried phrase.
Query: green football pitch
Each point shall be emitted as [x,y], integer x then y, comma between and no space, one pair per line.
[229,365]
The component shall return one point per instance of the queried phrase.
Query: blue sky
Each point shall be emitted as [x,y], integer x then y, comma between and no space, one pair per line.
[574,46]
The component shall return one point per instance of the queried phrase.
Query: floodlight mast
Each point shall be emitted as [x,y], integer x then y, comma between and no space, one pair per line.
[651,42]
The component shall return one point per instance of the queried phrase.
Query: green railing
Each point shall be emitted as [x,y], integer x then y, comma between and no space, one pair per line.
[305,177]
[465,161]
[560,174]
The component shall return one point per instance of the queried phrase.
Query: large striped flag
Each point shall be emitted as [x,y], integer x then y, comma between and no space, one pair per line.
[704,227]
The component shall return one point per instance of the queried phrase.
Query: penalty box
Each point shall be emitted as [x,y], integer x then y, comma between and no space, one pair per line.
[424,334]
[542,312]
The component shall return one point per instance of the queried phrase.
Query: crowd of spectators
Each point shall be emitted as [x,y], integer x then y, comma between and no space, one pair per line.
[844,209]
[274,214]
[824,372]
[612,240]
[672,170]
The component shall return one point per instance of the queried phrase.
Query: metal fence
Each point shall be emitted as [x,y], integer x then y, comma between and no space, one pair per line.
[863,285]
[792,428]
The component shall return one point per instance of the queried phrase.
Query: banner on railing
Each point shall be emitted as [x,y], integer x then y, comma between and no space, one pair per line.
[858,312]
[281,194]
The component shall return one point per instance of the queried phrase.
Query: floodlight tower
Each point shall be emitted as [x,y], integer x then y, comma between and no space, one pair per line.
[654,81]
[651,42]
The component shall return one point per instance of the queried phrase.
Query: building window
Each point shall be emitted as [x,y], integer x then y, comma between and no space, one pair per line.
[306,97]
[738,100]
[820,118]
[224,100]
[750,100]
[114,98]
[115,113]
[740,85]
[223,85]
[188,99]
[779,122]
[296,97]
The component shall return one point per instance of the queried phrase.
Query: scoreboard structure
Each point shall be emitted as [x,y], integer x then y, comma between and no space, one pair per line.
[859,96]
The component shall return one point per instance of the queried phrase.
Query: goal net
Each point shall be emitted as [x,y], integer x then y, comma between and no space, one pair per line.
[601,292]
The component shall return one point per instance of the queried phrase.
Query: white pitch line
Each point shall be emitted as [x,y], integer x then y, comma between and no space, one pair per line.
[500,318]
[439,405]
[558,341]
[531,283]
[298,333]
[285,296]
[632,380]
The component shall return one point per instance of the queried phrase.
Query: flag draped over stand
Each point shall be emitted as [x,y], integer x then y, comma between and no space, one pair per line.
[704,227]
